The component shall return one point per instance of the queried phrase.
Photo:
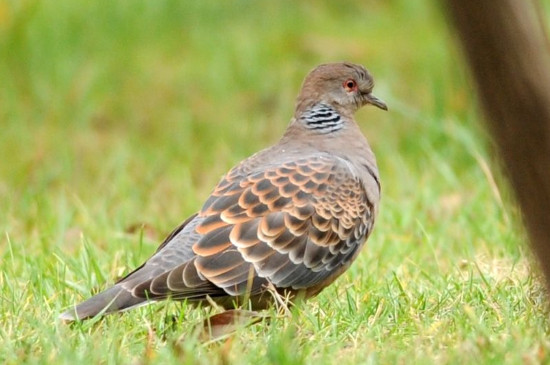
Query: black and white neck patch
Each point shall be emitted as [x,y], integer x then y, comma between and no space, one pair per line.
[323,118]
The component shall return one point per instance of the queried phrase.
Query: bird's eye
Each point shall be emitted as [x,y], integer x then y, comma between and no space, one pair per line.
[350,85]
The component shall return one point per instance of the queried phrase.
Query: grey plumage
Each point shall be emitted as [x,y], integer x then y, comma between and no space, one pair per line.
[294,215]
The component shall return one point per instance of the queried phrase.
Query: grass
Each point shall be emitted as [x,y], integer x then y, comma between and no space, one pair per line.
[117,115]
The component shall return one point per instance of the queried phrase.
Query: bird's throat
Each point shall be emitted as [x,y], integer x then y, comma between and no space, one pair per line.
[322,118]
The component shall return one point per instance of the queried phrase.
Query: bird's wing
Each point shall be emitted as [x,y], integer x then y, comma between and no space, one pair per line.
[294,225]
[176,243]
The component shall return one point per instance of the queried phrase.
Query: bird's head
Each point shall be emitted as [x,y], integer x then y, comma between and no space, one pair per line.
[344,86]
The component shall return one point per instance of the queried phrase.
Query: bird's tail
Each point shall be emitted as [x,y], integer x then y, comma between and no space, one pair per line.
[109,301]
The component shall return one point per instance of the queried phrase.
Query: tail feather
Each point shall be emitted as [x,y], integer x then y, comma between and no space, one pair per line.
[111,300]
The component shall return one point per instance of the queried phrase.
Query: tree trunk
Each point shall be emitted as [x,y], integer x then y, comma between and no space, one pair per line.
[507,49]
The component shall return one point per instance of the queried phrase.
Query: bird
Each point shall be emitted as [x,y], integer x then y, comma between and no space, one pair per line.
[292,217]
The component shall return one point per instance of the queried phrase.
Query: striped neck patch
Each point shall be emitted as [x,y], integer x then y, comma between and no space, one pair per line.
[323,118]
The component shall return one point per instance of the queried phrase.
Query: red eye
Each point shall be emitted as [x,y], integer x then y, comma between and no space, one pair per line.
[350,85]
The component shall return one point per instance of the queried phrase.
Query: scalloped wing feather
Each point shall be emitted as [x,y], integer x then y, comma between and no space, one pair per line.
[295,225]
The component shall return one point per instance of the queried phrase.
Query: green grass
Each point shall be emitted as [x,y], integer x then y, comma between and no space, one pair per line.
[118,114]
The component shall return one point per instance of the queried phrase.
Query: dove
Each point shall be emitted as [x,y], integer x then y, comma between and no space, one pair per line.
[290,218]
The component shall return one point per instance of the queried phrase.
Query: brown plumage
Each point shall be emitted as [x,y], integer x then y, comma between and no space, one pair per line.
[293,216]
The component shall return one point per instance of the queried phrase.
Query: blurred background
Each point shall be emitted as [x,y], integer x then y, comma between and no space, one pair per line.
[130,111]
[117,115]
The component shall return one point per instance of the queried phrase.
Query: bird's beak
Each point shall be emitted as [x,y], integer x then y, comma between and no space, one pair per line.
[371,99]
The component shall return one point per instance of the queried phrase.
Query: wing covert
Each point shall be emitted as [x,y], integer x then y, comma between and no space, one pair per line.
[293,225]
